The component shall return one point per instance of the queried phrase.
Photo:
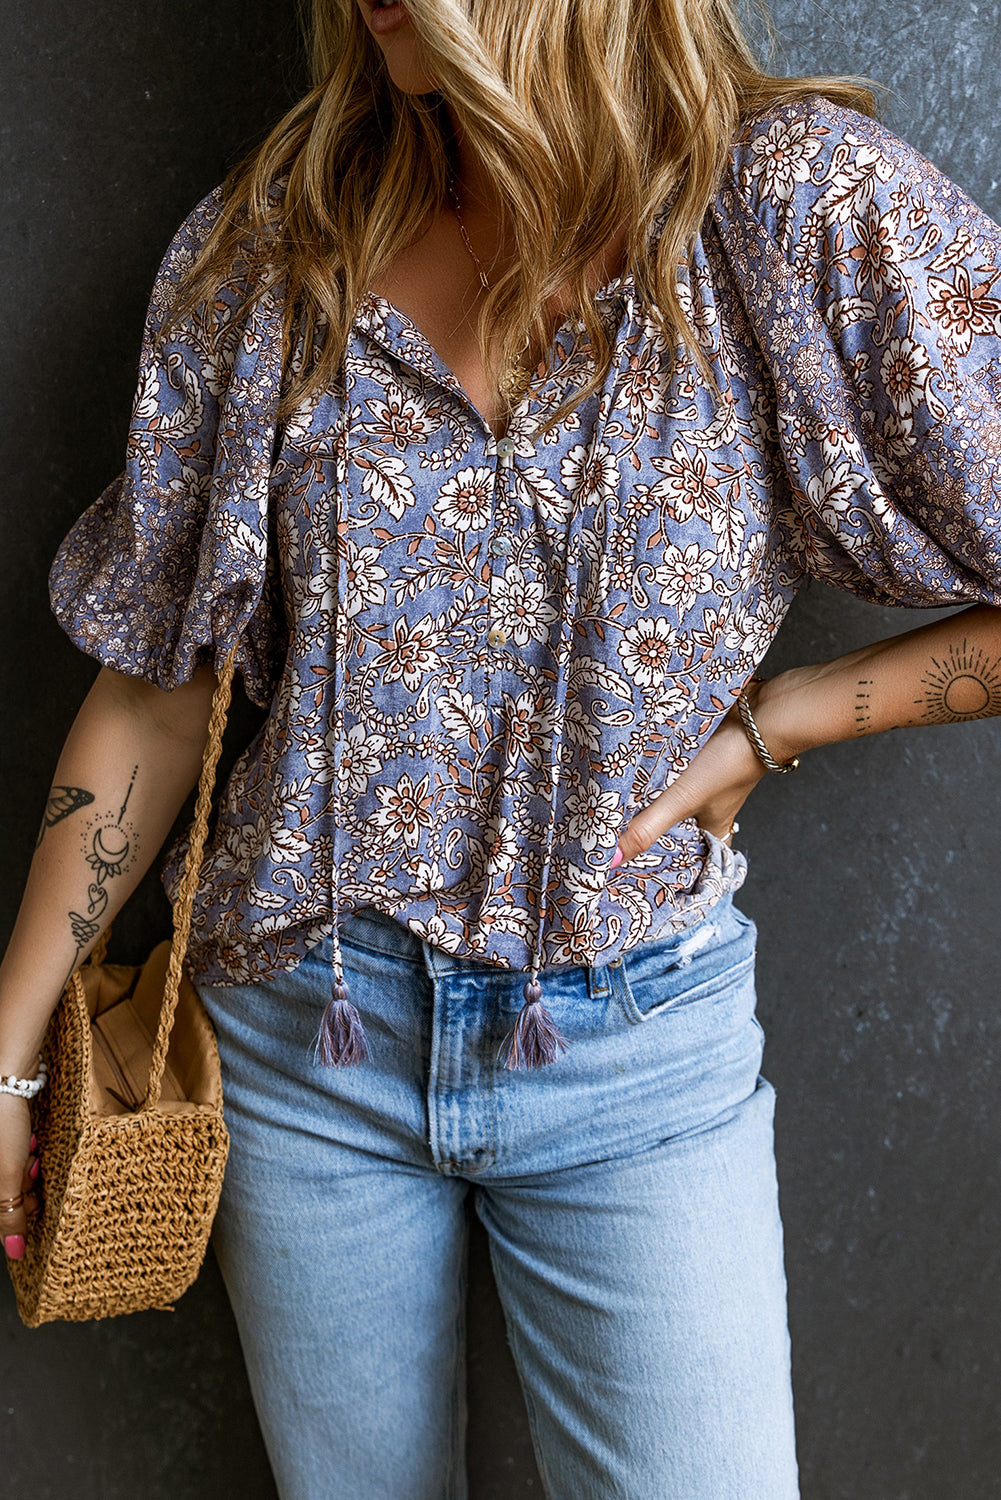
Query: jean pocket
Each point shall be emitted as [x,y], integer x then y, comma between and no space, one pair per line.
[685,968]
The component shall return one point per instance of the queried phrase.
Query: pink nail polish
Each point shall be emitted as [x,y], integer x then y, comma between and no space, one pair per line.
[14,1246]
[616,859]
[32,1143]
[33,1170]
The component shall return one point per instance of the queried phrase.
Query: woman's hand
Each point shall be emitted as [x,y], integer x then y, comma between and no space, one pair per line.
[18,1163]
[712,789]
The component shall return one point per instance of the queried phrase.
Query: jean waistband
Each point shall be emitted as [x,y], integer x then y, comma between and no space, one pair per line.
[374,929]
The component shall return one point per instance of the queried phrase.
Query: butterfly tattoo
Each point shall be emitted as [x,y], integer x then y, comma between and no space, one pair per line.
[63,800]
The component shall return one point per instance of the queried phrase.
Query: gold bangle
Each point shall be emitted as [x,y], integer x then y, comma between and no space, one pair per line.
[754,734]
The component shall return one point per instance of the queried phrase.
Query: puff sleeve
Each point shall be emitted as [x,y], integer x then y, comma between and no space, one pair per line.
[171,564]
[873,285]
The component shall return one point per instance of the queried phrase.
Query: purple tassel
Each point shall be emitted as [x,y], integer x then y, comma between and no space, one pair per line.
[342,1036]
[534,1041]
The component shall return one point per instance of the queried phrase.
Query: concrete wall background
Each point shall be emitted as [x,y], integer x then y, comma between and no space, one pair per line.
[873,876]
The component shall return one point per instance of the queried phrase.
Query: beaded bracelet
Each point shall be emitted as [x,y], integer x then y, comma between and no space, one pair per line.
[754,735]
[25,1088]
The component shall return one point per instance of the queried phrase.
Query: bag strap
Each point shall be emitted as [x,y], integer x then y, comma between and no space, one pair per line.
[189,880]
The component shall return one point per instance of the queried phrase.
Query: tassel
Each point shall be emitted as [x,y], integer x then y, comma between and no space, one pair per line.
[534,1041]
[342,1035]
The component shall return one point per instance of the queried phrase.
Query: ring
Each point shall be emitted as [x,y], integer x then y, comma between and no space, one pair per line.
[11,1205]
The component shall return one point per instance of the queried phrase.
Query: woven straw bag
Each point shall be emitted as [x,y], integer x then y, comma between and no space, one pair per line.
[130,1122]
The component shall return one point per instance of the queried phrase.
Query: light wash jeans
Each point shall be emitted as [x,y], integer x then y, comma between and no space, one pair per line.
[628,1192]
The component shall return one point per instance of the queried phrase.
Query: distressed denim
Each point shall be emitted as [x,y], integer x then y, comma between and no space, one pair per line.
[628,1193]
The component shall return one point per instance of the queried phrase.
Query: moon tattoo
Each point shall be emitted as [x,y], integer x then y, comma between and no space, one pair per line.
[110,849]
[111,852]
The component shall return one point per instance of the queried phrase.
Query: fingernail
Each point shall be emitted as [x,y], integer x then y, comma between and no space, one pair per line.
[33,1169]
[616,858]
[32,1143]
[14,1246]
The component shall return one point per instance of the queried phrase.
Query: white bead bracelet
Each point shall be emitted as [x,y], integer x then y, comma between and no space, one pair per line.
[25,1088]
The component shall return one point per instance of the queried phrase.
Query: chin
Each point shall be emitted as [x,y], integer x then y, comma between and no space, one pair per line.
[412,80]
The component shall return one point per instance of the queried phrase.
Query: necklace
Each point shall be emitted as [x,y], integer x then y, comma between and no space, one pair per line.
[516,380]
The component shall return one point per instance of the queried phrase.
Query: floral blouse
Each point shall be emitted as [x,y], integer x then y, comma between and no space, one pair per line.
[480,658]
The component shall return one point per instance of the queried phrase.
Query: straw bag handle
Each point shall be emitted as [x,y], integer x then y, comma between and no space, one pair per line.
[189,880]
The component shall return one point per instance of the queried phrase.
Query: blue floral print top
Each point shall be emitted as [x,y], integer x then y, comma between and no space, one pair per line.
[481,657]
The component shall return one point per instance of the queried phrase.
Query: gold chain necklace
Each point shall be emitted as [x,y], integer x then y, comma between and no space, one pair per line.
[516,380]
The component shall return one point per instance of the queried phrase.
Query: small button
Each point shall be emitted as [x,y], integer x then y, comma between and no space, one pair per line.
[496,636]
[503,545]
[505,447]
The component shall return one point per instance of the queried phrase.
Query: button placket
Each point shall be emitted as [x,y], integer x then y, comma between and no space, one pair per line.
[501,544]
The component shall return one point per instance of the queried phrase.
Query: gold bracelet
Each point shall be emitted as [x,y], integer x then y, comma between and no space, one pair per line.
[754,734]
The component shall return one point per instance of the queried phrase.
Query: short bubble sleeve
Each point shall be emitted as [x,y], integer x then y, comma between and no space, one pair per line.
[873,286]
[171,564]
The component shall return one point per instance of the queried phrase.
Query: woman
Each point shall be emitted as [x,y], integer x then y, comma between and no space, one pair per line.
[494,410]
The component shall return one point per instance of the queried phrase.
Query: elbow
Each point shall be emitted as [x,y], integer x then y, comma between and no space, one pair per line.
[182,713]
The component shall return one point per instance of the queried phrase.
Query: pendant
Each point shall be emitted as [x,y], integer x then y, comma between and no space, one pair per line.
[515,382]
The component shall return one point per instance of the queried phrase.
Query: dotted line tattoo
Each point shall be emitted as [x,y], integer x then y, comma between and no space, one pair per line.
[863,711]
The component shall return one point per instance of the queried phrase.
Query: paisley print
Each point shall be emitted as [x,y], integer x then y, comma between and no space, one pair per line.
[480,658]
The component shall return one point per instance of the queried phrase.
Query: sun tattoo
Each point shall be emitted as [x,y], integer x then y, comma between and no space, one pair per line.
[964,685]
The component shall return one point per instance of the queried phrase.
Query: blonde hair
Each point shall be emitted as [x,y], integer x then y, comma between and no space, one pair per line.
[595,113]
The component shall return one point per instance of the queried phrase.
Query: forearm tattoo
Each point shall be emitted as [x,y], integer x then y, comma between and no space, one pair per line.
[110,844]
[966,684]
[63,800]
[963,684]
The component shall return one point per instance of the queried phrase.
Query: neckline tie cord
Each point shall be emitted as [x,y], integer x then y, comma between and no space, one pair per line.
[342,1041]
[534,1040]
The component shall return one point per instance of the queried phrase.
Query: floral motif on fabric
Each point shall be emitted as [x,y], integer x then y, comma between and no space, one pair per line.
[478,664]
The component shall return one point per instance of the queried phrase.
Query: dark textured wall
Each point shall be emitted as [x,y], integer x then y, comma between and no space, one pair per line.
[873,875]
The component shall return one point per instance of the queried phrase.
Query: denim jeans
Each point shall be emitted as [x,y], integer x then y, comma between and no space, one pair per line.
[629,1197]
